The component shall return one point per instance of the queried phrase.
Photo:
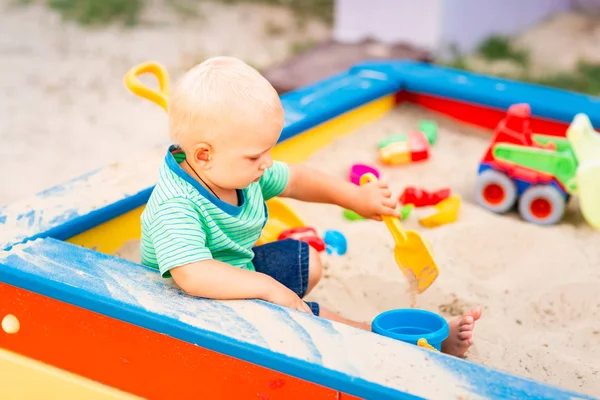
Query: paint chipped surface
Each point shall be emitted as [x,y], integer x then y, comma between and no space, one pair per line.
[313,345]
[63,203]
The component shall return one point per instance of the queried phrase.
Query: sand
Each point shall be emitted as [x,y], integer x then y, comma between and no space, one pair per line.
[61,89]
[537,285]
[61,84]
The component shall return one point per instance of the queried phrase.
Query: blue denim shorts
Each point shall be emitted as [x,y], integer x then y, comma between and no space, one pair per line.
[287,262]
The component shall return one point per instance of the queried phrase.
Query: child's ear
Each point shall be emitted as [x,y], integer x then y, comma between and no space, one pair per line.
[203,154]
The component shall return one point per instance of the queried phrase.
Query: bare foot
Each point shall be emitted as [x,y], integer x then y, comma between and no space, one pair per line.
[461,333]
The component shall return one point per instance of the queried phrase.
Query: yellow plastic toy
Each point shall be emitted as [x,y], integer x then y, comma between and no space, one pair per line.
[160,97]
[585,142]
[412,253]
[423,343]
[395,153]
[281,216]
[446,212]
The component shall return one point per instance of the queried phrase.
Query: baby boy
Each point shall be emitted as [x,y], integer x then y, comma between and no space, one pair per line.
[208,208]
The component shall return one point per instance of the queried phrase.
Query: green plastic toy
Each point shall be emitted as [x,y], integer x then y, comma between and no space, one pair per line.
[430,130]
[352,216]
[406,210]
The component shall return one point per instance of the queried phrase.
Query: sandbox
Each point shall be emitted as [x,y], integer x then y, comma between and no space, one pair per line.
[65,277]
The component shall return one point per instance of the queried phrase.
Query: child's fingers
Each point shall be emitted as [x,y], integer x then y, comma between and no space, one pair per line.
[386,192]
[304,307]
[390,209]
[389,202]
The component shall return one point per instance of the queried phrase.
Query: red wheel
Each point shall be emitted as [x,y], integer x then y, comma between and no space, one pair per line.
[540,208]
[495,191]
[542,205]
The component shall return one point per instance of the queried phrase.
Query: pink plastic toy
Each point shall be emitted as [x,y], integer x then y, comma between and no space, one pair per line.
[358,170]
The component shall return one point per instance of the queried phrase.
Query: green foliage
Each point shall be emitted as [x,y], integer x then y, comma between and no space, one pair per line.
[322,9]
[497,48]
[102,12]
[584,79]
[99,12]
[301,47]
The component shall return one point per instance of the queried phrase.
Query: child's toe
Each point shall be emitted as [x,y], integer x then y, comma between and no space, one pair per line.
[465,327]
[465,335]
[475,313]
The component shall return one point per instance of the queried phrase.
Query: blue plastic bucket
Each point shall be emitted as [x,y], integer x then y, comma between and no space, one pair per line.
[410,325]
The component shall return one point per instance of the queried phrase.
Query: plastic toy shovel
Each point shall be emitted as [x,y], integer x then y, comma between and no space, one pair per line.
[412,253]
[161,96]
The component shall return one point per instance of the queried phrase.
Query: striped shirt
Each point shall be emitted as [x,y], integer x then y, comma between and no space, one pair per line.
[184,222]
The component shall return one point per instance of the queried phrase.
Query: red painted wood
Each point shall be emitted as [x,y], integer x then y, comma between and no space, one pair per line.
[137,360]
[475,114]
[344,396]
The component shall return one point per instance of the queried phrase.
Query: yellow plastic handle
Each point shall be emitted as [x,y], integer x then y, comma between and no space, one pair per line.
[392,223]
[395,228]
[422,342]
[161,96]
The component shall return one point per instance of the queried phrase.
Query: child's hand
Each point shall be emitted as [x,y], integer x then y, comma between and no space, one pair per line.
[280,294]
[375,199]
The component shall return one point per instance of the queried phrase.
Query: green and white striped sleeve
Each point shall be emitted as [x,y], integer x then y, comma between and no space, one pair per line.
[178,235]
[274,180]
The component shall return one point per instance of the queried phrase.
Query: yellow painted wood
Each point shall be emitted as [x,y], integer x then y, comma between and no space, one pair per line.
[302,146]
[113,234]
[24,378]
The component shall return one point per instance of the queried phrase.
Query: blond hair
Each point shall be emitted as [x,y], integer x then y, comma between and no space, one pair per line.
[217,91]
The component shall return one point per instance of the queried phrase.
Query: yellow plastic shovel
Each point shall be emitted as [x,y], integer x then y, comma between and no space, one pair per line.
[160,97]
[412,253]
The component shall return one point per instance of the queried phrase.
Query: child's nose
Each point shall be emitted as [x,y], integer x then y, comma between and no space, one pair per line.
[267,163]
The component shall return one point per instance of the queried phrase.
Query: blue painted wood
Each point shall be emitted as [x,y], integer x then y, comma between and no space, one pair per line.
[338,356]
[488,91]
[73,207]
[314,104]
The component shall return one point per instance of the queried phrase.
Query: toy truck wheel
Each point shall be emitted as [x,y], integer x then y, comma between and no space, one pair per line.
[495,191]
[542,205]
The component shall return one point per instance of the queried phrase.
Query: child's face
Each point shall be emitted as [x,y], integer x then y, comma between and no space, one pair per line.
[241,152]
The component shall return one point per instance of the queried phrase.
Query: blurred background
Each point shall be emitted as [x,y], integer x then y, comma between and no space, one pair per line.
[64,110]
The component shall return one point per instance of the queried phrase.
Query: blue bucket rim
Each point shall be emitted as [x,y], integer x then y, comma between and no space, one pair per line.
[434,337]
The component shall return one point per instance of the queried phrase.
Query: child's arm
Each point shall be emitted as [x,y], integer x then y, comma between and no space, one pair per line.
[218,280]
[370,201]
